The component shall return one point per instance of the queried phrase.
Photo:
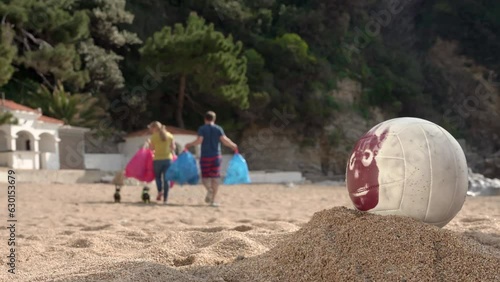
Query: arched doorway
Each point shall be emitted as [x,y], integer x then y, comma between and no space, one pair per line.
[25,141]
[25,155]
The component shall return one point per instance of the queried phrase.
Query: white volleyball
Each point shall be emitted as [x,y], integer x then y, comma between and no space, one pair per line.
[408,167]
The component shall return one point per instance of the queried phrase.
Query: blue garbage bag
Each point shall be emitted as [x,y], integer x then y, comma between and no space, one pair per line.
[237,171]
[184,170]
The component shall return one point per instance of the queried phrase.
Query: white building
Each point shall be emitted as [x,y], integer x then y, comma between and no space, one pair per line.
[41,142]
[33,142]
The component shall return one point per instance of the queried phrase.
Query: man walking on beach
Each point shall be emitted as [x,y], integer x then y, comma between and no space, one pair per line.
[210,136]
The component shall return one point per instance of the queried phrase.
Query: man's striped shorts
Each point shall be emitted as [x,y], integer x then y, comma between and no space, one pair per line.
[210,166]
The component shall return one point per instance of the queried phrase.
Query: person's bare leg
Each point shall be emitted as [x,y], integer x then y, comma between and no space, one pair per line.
[215,188]
[208,185]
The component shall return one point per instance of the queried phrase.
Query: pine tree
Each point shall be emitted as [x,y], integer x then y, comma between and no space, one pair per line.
[102,65]
[45,35]
[106,16]
[7,53]
[62,62]
[108,45]
[213,61]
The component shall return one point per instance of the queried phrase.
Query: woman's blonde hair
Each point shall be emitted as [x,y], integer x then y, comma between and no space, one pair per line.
[161,128]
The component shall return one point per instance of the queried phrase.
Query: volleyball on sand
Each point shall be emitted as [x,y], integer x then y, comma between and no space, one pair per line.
[408,167]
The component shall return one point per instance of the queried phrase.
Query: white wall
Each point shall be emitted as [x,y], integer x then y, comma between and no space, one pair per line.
[131,146]
[49,160]
[116,162]
[275,177]
[25,160]
[5,158]
[47,143]
[182,140]
[105,162]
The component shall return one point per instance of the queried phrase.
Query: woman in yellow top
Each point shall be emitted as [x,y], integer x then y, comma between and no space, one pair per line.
[162,143]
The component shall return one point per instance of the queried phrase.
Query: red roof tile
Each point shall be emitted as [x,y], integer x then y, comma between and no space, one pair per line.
[11,105]
[16,107]
[171,129]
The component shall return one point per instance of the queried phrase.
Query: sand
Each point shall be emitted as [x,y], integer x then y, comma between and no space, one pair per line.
[259,233]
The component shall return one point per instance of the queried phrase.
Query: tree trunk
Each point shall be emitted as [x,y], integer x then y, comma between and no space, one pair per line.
[180,101]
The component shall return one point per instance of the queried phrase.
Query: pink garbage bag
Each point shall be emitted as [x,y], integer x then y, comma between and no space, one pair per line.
[140,166]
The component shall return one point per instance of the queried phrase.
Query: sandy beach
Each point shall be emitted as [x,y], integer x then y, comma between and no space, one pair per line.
[259,233]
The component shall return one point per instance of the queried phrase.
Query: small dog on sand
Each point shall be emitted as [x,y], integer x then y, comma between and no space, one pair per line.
[118,180]
[117,194]
[145,195]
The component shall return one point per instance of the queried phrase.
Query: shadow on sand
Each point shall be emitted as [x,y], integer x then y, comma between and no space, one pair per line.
[141,204]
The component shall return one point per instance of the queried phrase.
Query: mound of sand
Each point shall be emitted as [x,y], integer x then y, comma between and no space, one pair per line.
[345,245]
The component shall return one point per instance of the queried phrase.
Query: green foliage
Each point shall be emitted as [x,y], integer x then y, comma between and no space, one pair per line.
[61,62]
[255,55]
[102,65]
[51,19]
[390,77]
[299,80]
[74,109]
[474,24]
[242,18]
[213,61]
[45,35]
[108,45]
[295,46]
[255,62]
[7,53]
[233,10]
[7,118]
[106,18]
[69,41]
[259,80]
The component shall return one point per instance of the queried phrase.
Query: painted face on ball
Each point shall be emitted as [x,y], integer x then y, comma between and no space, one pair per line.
[363,172]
